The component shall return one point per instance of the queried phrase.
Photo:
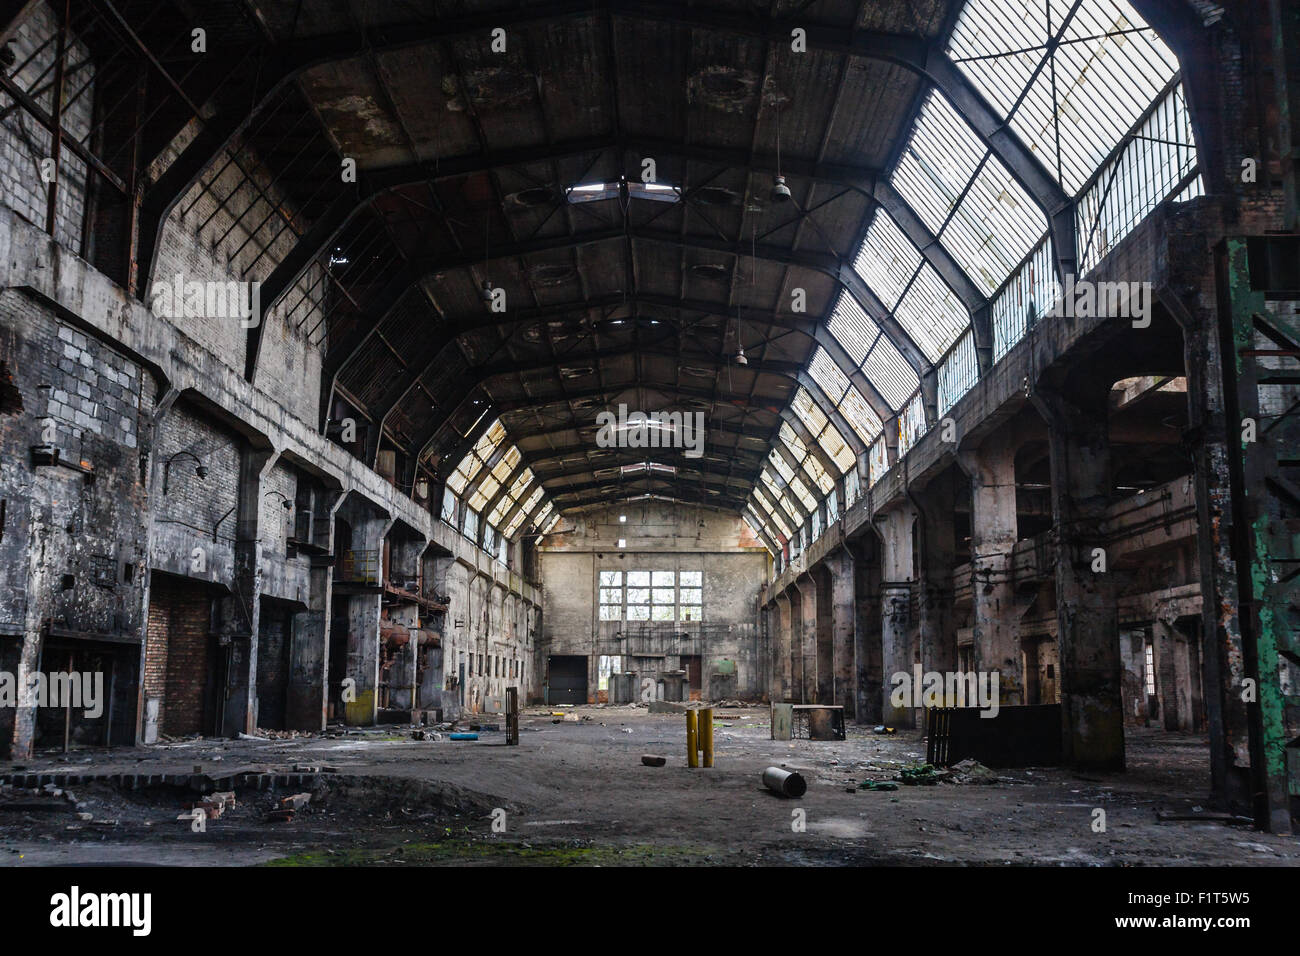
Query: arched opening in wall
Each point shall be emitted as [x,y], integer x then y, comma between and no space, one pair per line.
[1123,514]
[1153,522]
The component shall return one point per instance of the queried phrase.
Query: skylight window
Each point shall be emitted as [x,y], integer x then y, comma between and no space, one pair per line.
[941,157]
[845,396]
[474,467]
[932,314]
[886,262]
[827,435]
[1107,68]
[877,357]
[622,188]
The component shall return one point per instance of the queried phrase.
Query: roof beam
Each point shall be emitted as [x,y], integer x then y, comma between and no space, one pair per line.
[755,458]
[493,370]
[739,496]
[375,183]
[488,320]
[827,264]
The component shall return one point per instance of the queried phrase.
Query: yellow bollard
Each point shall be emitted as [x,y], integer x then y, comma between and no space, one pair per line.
[692,757]
[706,735]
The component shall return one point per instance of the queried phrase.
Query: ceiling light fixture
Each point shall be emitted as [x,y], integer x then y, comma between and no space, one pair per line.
[780,191]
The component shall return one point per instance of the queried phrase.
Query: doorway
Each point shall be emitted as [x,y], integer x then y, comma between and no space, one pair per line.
[567,679]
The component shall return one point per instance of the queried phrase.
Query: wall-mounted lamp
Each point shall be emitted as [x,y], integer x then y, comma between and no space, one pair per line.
[200,469]
[284,499]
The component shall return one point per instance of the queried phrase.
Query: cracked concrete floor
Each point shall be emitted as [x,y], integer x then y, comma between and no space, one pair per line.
[575,792]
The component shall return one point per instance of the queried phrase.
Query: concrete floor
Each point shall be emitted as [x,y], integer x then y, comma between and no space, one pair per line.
[575,792]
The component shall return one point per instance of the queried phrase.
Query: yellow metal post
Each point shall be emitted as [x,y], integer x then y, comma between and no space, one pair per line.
[706,735]
[692,757]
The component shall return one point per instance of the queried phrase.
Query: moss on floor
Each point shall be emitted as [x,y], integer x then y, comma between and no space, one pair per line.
[495,852]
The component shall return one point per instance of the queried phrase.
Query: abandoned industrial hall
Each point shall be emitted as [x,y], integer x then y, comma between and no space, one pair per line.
[559,431]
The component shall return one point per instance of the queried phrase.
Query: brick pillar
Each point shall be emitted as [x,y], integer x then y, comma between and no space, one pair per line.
[896,650]
[991,469]
[1086,611]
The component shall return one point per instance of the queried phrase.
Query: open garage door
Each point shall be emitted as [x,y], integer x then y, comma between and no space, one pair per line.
[567,680]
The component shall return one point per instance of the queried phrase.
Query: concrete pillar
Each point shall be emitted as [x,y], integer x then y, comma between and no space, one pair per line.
[243,609]
[868,673]
[804,659]
[824,687]
[307,700]
[936,541]
[991,469]
[1165,652]
[368,532]
[781,671]
[896,650]
[39,588]
[1086,611]
[843,582]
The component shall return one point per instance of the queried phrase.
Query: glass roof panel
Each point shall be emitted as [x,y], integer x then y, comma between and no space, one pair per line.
[932,314]
[803,494]
[859,415]
[890,373]
[998,44]
[940,158]
[886,261]
[828,376]
[994,228]
[809,411]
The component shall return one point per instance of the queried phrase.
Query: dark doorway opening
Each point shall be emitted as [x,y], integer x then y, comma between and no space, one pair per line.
[567,680]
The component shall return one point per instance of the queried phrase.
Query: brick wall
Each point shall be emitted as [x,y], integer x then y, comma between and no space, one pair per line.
[177,656]
[94,401]
[186,516]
